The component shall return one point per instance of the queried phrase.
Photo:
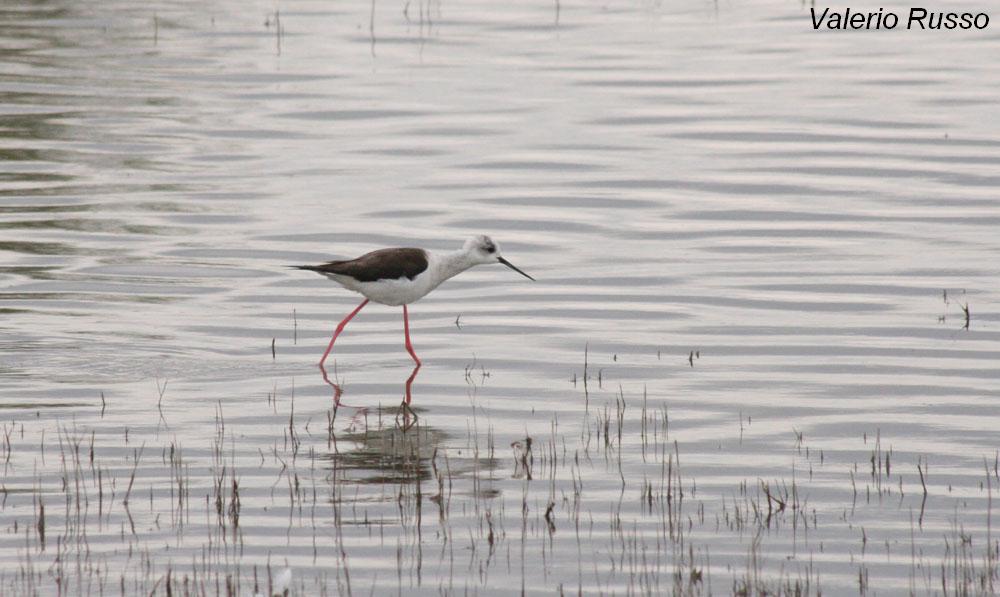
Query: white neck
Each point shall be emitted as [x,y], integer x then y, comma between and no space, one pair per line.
[451,264]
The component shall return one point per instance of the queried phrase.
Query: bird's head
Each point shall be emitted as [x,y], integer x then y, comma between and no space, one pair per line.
[482,250]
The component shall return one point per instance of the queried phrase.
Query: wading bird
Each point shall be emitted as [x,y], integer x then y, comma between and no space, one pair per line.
[402,276]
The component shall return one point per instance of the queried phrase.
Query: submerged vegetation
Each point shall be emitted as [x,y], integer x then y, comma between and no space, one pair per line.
[609,502]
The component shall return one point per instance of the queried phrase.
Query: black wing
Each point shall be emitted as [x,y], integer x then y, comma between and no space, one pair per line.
[384,264]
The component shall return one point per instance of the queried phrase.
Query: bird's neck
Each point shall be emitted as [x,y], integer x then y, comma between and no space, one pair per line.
[454,263]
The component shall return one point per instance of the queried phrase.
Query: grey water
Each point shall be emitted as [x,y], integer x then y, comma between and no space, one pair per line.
[761,354]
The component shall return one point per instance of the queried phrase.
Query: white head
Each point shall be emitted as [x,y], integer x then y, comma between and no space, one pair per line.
[482,250]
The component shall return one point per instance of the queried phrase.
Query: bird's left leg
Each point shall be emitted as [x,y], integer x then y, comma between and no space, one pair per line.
[340,328]
[406,330]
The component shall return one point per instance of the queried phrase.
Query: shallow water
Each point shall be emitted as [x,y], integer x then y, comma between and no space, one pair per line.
[753,245]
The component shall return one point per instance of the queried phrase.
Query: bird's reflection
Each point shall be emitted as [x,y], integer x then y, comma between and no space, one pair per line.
[383,473]
[374,451]
[406,417]
[378,453]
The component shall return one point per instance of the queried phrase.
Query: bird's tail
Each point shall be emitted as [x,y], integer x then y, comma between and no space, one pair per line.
[311,268]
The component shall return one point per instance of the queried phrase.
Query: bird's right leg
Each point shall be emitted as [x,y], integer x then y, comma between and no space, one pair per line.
[409,415]
[409,345]
[339,329]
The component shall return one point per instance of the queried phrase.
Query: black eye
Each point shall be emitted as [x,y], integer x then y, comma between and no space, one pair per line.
[491,249]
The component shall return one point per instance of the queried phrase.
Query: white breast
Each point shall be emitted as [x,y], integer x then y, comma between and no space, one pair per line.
[401,291]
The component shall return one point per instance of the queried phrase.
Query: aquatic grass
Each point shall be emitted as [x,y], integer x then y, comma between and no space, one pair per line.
[600,501]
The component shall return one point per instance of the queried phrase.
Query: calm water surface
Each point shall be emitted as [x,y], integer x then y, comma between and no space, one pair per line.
[745,365]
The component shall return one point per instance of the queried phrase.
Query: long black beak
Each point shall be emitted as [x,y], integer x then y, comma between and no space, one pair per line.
[511,266]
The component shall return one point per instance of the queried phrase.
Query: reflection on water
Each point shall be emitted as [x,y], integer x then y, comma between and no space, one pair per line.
[684,178]
[406,416]
[390,452]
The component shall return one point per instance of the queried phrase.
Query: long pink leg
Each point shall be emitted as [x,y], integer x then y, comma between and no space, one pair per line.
[409,384]
[339,329]
[337,390]
[406,329]
[409,415]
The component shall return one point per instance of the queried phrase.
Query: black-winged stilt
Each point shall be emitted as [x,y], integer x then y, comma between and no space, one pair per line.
[402,276]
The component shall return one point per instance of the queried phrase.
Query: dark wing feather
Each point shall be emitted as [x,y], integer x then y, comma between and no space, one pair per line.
[384,264]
